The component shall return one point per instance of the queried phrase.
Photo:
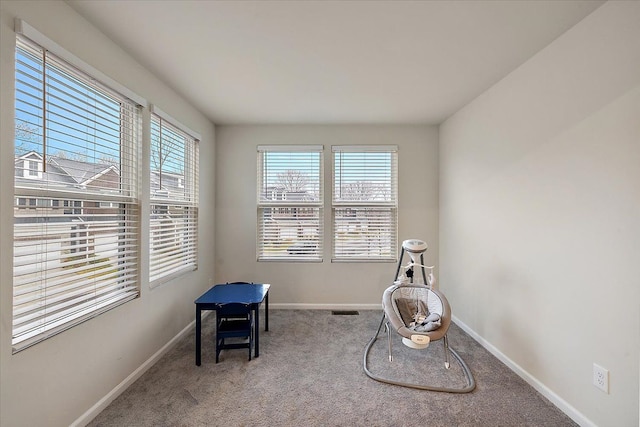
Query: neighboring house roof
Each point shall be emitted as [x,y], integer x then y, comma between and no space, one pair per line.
[29,156]
[66,171]
[81,172]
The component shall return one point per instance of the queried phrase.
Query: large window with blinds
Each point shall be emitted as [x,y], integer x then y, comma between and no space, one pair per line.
[365,203]
[290,203]
[76,200]
[173,229]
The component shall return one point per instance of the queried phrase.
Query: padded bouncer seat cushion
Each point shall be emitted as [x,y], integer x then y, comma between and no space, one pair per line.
[417,313]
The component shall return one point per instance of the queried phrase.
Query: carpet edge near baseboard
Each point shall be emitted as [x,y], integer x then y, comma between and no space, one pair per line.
[101,404]
[337,307]
[556,400]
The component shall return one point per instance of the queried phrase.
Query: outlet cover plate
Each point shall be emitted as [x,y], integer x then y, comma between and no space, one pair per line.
[601,378]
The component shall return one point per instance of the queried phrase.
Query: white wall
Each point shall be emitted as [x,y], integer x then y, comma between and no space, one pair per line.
[326,284]
[539,219]
[54,382]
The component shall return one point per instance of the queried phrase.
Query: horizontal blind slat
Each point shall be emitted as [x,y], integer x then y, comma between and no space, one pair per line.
[290,202]
[76,224]
[364,203]
[174,200]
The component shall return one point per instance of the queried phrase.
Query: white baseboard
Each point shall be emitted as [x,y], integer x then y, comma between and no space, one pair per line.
[296,306]
[560,403]
[93,412]
[564,406]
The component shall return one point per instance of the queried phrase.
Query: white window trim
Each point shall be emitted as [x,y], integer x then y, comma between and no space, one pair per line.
[159,279]
[392,204]
[154,109]
[87,310]
[23,28]
[27,169]
[287,204]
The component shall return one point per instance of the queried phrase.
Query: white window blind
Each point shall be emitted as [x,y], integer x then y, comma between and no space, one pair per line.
[76,203]
[290,203]
[174,200]
[365,202]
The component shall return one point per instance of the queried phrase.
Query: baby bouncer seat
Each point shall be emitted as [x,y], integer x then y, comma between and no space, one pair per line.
[420,314]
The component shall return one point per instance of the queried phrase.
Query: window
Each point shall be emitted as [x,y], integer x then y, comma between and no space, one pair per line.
[174,199]
[76,259]
[290,199]
[34,170]
[365,202]
[29,165]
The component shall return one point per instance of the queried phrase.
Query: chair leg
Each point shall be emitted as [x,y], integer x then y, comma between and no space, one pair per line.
[445,342]
[386,326]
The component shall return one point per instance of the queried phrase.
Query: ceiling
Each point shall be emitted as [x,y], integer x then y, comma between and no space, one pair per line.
[242,62]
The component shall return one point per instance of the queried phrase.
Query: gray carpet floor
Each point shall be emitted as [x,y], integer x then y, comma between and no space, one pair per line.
[310,373]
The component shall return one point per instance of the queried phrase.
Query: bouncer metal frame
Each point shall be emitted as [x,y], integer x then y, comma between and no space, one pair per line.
[470,386]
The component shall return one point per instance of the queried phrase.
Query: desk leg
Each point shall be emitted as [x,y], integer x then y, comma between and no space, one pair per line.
[266,312]
[257,330]
[198,338]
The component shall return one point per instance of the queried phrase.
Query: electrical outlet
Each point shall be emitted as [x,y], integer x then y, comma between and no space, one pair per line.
[601,378]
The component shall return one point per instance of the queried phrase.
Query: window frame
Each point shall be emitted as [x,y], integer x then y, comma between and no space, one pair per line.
[388,252]
[55,301]
[270,200]
[183,257]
